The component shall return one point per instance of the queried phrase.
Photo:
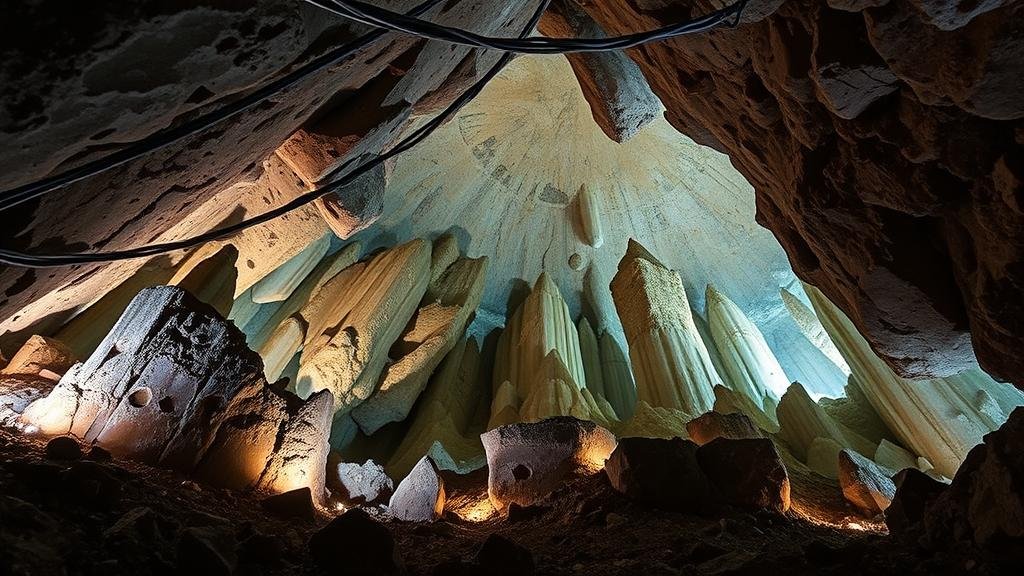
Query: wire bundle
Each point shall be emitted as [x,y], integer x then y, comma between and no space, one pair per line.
[360,12]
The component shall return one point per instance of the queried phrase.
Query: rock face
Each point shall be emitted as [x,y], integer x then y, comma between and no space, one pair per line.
[527,461]
[660,472]
[37,355]
[174,384]
[618,93]
[984,503]
[865,484]
[420,495]
[747,473]
[354,543]
[887,173]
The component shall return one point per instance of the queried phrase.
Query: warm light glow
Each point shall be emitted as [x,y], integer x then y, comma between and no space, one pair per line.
[477,512]
[30,429]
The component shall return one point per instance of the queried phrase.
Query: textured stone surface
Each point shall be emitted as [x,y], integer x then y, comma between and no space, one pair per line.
[39,354]
[527,461]
[711,425]
[662,473]
[420,496]
[865,484]
[747,473]
[884,145]
[365,483]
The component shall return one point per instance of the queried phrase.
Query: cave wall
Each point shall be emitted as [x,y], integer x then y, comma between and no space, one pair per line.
[80,82]
[884,141]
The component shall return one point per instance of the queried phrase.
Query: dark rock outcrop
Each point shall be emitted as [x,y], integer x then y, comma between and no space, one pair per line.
[865,484]
[747,473]
[885,143]
[354,543]
[660,472]
[711,425]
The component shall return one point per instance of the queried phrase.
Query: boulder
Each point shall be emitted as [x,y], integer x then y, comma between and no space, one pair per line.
[914,491]
[356,544]
[63,448]
[420,496]
[747,472]
[502,557]
[528,461]
[711,425]
[207,550]
[40,355]
[660,472]
[358,484]
[292,504]
[865,484]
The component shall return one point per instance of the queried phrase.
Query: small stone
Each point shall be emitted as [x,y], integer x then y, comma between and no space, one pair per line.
[356,544]
[711,425]
[517,513]
[503,557]
[661,472]
[747,472]
[359,484]
[63,448]
[420,496]
[291,504]
[865,484]
[207,550]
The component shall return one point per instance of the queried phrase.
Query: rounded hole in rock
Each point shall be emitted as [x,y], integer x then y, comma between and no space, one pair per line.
[166,404]
[140,397]
[521,472]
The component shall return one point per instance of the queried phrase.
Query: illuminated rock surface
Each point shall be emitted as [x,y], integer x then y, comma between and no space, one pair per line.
[420,496]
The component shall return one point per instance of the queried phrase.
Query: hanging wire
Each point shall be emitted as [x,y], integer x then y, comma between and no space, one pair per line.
[15,196]
[382,17]
[19,258]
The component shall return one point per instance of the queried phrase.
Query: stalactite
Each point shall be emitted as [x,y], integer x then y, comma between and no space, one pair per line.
[811,327]
[752,367]
[588,213]
[670,362]
[447,307]
[348,349]
[442,426]
[280,283]
[940,420]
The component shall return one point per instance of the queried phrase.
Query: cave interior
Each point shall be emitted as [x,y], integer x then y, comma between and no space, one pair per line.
[535,287]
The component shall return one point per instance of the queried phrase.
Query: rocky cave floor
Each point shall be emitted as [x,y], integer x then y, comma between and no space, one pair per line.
[121,517]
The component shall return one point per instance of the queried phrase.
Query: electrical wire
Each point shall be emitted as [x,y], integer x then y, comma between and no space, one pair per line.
[15,196]
[376,16]
[19,258]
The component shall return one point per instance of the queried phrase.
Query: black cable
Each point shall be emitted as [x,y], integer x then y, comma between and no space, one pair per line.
[376,16]
[18,258]
[158,140]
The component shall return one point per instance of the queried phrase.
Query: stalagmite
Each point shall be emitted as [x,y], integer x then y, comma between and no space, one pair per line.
[670,362]
[280,283]
[348,353]
[727,402]
[893,457]
[856,413]
[591,356]
[269,317]
[504,406]
[709,342]
[420,496]
[654,422]
[616,376]
[749,362]
[940,419]
[243,309]
[811,327]
[209,274]
[588,213]
[283,344]
[801,421]
[174,384]
[442,425]
[447,308]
